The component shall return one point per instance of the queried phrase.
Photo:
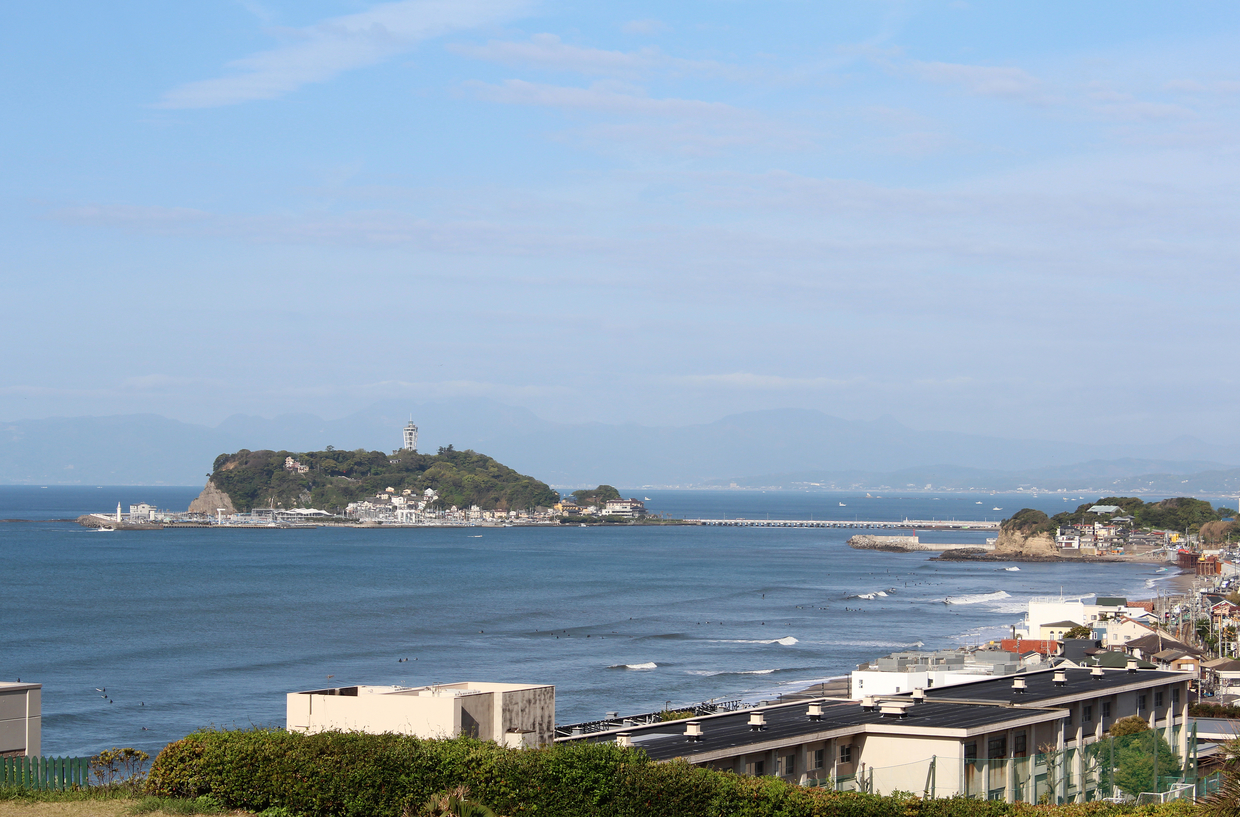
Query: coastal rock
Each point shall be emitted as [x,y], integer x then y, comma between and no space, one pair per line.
[898,544]
[211,499]
[1028,534]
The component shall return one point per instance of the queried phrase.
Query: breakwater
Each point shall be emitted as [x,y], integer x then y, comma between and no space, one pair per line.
[908,544]
[903,524]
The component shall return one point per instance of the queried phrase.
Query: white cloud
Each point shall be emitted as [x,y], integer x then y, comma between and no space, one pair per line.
[1003,82]
[645,27]
[609,97]
[749,380]
[321,51]
[549,51]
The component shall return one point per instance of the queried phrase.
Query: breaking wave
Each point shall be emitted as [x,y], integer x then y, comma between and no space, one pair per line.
[978,598]
[706,673]
[647,665]
[786,641]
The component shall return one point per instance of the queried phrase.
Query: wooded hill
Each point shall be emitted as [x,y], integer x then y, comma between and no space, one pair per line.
[259,479]
[1178,514]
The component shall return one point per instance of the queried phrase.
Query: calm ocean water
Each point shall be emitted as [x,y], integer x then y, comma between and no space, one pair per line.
[191,628]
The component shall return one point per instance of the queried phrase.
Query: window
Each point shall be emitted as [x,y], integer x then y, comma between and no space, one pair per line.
[1175,696]
[1087,713]
[970,750]
[818,758]
[759,767]
[1158,698]
[1106,709]
[846,754]
[1140,703]
[996,747]
[1018,744]
[786,765]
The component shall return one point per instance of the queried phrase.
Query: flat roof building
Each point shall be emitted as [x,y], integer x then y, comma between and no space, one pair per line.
[990,738]
[510,714]
[21,719]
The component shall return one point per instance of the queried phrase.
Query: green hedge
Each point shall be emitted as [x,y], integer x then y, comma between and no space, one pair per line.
[356,775]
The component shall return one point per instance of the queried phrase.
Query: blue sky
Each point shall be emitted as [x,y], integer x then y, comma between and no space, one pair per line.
[992,217]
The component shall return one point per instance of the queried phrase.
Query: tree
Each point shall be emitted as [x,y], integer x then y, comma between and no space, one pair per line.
[1079,631]
[1135,758]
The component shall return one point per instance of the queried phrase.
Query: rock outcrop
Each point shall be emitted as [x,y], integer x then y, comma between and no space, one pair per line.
[210,500]
[1026,535]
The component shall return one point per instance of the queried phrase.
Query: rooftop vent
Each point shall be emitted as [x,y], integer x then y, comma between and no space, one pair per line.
[757,721]
[815,712]
[896,709]
[1060,678]
[611,716]
[1132,665]
[624,739]
[1018,686]
[1097,673]
[867,703]
[693,731]
[919,695]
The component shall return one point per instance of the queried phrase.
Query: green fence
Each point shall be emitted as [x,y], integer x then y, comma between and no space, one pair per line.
[45,773]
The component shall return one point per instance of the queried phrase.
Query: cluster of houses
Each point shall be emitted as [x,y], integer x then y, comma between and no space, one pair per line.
[1116,536]
[623,508]
[407,507]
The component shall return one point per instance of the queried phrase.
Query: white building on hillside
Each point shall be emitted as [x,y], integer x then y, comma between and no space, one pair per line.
[515,715]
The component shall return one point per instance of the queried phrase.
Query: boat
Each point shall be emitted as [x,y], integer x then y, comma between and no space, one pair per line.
[996,509]
[842,505]
[647,499]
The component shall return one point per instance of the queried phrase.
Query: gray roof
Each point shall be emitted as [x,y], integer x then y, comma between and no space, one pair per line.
[665,741]
[976,705]
[1040,686]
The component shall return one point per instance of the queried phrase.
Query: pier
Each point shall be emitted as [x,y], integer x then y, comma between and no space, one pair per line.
[905,524]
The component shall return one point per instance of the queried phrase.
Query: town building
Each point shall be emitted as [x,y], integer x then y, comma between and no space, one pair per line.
[21,720]
[515,715]
[995,738]
[629,508]
[411,437]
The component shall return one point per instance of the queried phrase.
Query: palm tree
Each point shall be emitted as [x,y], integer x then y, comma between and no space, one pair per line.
[452,803]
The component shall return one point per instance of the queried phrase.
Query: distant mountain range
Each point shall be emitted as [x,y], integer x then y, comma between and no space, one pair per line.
[777,448]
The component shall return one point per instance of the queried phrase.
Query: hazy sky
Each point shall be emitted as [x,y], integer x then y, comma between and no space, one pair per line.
[1017,219]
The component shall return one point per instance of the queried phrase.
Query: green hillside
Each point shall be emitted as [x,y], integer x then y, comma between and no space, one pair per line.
[335,478]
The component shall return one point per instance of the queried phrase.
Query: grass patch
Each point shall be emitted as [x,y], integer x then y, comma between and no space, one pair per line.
[177,805]
[12,794]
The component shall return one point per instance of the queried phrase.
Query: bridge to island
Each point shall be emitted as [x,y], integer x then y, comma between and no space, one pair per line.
[904,524]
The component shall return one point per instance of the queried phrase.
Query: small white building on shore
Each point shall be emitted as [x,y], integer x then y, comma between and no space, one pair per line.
[514,715]
[21,719]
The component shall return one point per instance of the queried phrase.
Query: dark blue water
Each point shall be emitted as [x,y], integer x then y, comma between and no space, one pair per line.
[188,628]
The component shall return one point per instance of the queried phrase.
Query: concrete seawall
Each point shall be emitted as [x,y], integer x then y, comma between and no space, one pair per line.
[908,544]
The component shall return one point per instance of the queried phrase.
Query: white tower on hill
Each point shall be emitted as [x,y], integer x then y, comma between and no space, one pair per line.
[411,437]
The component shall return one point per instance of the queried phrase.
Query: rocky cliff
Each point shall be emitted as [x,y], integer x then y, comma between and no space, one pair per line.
[1028,534]
[211,499]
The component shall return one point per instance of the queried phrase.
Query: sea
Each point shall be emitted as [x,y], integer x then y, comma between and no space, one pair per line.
[139,638]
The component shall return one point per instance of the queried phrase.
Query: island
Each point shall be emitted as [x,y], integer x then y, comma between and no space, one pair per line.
[351,483]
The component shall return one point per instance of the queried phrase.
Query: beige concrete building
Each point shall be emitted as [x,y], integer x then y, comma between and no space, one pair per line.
[20,719]
[517,715]
[1017,737]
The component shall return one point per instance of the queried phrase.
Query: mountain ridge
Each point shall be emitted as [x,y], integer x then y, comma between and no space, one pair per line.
[151,449]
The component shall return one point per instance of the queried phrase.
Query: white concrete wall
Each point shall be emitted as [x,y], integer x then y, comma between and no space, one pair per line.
[485,711]
[21,719]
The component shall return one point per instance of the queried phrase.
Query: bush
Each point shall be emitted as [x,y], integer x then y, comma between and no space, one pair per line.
[354,774]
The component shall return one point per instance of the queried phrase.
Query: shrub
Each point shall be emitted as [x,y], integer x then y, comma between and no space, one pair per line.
[336,774]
